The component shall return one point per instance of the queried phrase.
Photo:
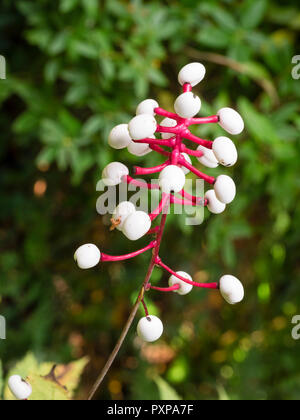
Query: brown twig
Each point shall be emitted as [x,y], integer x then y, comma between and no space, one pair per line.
[133,313]
[242,68]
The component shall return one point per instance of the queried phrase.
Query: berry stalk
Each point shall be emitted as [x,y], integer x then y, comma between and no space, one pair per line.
[133,313]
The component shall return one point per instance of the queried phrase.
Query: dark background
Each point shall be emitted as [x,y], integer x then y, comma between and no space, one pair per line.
[76,68]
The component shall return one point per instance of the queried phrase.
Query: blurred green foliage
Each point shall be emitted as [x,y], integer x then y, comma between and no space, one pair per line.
[75,68]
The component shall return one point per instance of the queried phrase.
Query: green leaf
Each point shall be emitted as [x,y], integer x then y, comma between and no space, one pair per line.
[91,7]
[67,5]
[46,390]
[259,125]
[60,384]
[213,37]
[59,43]
[52,132]
[71,125]
[223,396]
[253,13]
[26,122]
[256,70]
[85,49]
[166,392]
[224,19]
[93,125]
[51,70]
[69,375]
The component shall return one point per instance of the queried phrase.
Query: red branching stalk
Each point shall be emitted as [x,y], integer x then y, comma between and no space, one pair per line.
[179,133]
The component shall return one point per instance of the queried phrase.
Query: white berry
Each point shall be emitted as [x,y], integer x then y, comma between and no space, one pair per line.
[208,159]
[87,256]
[168,122]
[192,73]
[225,189]
[231,289]
[19,388]
[122,211]
[225,151]
[119,137]
[172,178]
[113,173]
[187,105]
[150,328]
[214,205]
[139,149]
[189,160]
[142,126]
[147,107]
[185,288]
[231,121]
[136,225]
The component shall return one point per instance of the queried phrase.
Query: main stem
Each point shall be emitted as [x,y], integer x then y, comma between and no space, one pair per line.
[133,313]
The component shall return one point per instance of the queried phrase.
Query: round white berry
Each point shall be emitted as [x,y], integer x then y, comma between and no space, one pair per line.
[142,126]
[192,73]
[208,159]
[136,225]
[119,137]
[187,105]
[150,328]
[185,288]
[122,211]
[113,173]
[172,178]
[139,149]
[225,189]
[168,122]
[147,107]
[214,205]
[231,121]
[225,151]
[19,388]
[189,160]
[231,289]
[87,256]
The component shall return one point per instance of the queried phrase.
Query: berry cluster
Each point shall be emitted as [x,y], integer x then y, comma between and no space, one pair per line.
[139,137]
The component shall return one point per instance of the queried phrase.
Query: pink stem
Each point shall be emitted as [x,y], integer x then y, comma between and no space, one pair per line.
[175,200]
[161,207]
[164,113]
[206,120]
[197,200]
[193,283]
[107,258]
[166,289]
[148,171]
[197,153]
[156,142]
[187,87]
[129,180]
[145,307]
[210,179]
[168,130]
[159,150]
[189,136]
[153,230]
